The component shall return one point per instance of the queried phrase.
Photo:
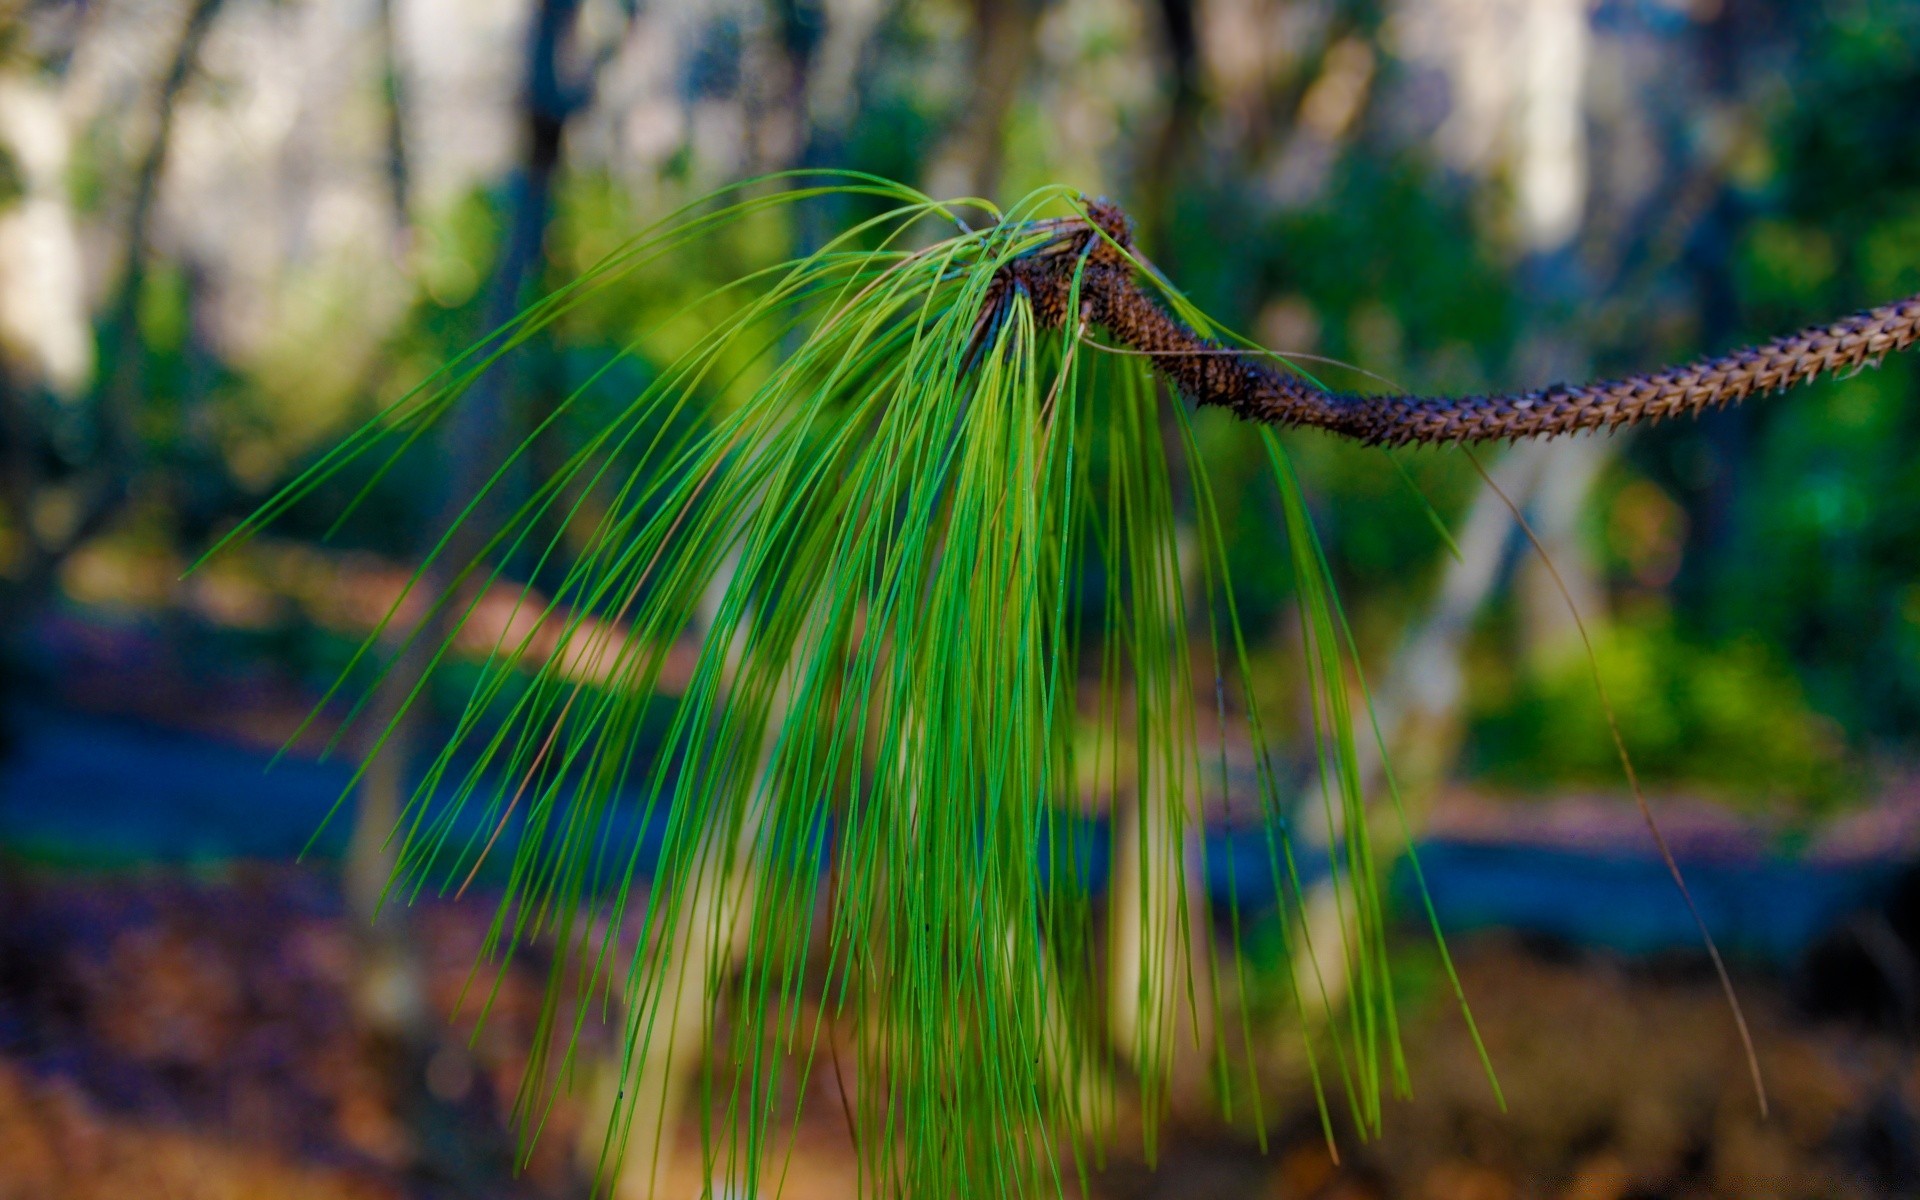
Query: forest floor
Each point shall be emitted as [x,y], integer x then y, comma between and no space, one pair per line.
[184,1025]
[196,1038]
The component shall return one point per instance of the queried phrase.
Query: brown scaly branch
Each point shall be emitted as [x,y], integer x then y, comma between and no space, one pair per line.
[1209,373]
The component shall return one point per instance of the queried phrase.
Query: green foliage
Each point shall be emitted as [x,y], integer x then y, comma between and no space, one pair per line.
[13,182]
[943,597]
[1730,719]
[1800,515]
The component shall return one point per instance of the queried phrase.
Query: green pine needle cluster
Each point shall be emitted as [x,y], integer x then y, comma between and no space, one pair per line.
[949,593]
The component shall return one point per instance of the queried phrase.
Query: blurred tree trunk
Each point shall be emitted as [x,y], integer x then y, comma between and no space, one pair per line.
[1162,976]
[480,428]
[1717,544]
[1161,964]
[1419,703]
[692,959]
[53,509]
[653,1102]
[1554,197]
[1559,585]
[124,383]
[116,403]
[1169,150]
[391,990]
[971,162]
[1419,706]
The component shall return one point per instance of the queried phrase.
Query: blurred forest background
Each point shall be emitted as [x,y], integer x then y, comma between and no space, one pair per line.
[230,230]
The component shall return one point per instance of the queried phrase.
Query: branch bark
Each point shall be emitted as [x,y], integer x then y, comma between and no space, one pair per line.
[1097,254]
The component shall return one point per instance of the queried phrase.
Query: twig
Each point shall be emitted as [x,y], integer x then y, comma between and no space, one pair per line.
[1209,373]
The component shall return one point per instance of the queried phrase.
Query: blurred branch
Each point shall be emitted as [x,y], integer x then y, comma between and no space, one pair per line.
[393,90]
[1003,36]
[123,387]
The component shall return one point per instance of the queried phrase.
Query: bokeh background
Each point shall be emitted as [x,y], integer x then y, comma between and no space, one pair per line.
[230,230]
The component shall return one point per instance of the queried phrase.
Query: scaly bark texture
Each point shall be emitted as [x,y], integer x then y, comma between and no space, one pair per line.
[1211,374]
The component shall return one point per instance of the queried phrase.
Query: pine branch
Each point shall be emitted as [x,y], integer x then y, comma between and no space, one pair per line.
[1209,373]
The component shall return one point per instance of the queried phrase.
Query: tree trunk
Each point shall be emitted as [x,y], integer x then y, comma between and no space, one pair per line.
[390,988]
[970,163]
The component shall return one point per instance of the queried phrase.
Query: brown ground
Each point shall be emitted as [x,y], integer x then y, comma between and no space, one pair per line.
[194,1041]
[214,1020]
[1630,1083]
